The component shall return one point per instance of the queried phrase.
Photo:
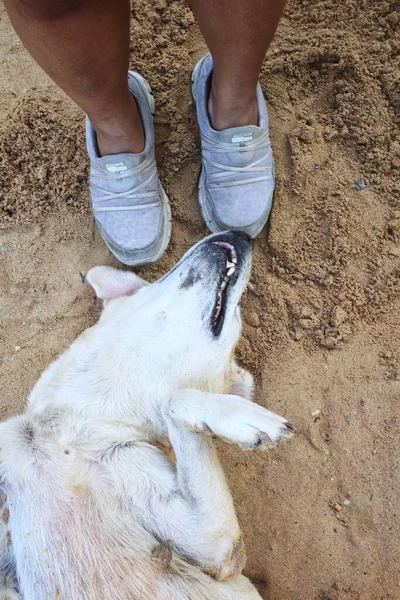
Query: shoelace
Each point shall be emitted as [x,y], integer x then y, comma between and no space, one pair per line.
[148,165]
[216,146]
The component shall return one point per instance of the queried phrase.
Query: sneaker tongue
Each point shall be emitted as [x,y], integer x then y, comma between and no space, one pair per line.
[119,163]
[240,136]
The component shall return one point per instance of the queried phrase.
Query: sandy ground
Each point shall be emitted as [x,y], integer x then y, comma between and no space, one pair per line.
[321,335]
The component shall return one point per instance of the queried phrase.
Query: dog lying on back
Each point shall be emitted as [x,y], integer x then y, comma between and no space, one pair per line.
[92,507]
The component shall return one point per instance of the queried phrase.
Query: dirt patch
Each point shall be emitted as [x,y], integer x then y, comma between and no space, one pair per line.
[321,334]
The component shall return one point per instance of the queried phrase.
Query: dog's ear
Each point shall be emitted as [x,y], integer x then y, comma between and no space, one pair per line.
[110,283]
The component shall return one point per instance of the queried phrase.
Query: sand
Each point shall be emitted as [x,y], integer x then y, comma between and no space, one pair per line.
[321,513]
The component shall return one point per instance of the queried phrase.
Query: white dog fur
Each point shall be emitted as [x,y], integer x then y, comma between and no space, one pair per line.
[92,506]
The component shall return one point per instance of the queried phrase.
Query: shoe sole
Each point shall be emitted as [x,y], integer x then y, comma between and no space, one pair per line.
[167,216]
[211,221]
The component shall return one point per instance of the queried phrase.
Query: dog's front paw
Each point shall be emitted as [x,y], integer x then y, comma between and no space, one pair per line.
[228,416]
[252,426]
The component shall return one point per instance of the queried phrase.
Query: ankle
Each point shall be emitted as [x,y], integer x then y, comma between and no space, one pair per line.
[120,132]
[231,108]
[111,143]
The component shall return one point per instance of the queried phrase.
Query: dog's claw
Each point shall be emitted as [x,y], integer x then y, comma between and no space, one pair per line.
[264,440]
[287,431]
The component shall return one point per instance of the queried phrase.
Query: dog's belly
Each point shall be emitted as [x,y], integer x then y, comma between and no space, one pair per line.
[72,534]
[80,553]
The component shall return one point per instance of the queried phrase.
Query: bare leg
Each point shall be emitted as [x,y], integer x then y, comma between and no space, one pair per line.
[238,34]
[83,45]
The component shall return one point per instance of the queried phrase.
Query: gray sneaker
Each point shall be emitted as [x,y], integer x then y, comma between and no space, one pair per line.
[129,205]
[236,182]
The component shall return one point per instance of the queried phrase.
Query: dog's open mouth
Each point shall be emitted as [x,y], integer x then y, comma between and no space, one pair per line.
[218,314]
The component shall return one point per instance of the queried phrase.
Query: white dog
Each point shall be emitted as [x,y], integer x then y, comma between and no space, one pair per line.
[92,506]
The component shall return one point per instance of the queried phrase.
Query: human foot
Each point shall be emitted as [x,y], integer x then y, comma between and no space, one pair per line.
[128,202]
[236,183]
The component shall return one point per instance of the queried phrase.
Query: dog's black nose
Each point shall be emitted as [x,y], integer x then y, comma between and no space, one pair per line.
[244,235]
[241,239]
[232,236]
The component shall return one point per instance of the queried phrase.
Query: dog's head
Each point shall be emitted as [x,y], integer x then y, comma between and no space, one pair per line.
[187,322]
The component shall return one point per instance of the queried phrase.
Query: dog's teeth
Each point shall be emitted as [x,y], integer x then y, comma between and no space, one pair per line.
[229,264]
[230,271]
[234,260]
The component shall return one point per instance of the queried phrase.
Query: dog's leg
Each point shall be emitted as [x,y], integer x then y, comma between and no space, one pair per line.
[210,533]
[228,416]
[201,520]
